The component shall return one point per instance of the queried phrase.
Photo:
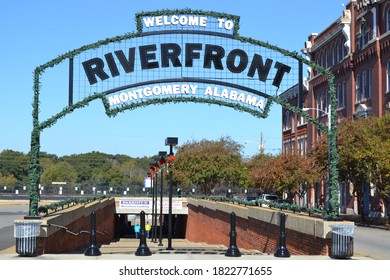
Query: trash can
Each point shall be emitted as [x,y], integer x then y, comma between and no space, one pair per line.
[342,241]
[26,233]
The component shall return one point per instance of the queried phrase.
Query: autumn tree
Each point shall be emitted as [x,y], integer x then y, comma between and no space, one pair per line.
[207,164]
[264,174]
[286,173]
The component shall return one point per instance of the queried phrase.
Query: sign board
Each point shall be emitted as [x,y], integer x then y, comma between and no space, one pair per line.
[147,204]
[147,182]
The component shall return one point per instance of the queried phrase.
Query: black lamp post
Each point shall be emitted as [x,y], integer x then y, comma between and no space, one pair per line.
[156,165]
[162,154]
[170,141]
[154,183]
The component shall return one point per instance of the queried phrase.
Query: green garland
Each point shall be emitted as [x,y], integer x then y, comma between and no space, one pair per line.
[271,204]
[34,170]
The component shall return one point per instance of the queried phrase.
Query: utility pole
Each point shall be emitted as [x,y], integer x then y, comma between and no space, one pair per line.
[261,144]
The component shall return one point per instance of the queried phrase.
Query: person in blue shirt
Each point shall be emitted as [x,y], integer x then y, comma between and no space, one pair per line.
[137,229]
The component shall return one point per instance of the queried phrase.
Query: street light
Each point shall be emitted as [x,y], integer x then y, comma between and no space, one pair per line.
[170,141]
[329,115]
[157,168]
[154,171]
[162,154]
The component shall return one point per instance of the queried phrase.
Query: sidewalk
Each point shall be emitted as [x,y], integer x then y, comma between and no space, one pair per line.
[183,250]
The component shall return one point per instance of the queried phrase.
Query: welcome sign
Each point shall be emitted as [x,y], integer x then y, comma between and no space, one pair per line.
[183,56]
[174,56]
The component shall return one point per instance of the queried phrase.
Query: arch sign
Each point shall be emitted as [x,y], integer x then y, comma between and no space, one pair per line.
[174,56]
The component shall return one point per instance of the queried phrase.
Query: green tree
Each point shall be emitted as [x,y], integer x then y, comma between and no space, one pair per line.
[364,151]
[16,164]
[60,172]
[207,164]
[8,181]
[133,174]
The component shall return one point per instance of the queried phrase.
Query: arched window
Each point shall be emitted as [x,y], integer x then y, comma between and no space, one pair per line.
[326,59]
[334,55]
[388,20]
[338,51]
[286,120]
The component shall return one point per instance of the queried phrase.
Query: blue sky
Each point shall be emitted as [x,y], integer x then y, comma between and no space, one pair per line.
[34,32]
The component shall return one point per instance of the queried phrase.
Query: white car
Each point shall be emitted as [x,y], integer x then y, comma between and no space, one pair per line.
[269,197]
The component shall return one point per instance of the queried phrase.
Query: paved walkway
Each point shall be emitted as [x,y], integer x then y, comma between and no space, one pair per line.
[125,249]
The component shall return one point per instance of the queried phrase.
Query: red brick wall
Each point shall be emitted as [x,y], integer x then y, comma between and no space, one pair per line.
[213,227]
[64,241]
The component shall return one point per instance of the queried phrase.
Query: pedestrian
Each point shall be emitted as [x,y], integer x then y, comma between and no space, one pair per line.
[137,229]
[147,229]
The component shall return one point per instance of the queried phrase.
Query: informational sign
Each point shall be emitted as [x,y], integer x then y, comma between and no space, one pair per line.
[147,204]
[147,182]
[138,204]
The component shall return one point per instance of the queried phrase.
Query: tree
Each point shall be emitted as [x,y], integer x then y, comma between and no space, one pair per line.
[285,173]
[364,151]
[60,172]
[207,164]
[15,164]
[264,174]
[380,146]
[132,173]
[7,181]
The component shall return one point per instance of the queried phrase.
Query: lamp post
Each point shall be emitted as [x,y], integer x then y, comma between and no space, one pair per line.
[329,115]
[261,144]
[162,154]
[170,141]
[157,167]
[154,171]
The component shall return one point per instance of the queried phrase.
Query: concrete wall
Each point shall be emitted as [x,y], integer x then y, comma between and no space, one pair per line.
[68,230]
[257,228]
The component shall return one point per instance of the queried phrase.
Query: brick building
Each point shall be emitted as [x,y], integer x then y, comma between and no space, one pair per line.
[356,48]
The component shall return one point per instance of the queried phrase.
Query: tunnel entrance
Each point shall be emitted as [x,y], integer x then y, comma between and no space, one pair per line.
[125,226]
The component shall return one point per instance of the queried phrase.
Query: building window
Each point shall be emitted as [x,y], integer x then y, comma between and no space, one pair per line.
[324,102]
[369,81]
[286,121]
[286,146]
[338,51]
[339,94]
[388,20]
[292,122]
[388,76]
[326,59]
[334,55]
[357,91]
[343,93]
[301,120]
[318,105]
[364,87]
[302,146]
[293,147]
[363,37]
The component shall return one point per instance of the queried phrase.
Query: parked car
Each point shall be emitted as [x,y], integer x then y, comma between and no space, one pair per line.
[269,197]
[250,198]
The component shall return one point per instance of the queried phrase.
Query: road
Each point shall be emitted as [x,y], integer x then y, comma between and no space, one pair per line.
[372,242]
[8,214]
[368,242]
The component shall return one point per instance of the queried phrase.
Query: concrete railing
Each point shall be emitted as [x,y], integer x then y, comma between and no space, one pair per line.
[258,227]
